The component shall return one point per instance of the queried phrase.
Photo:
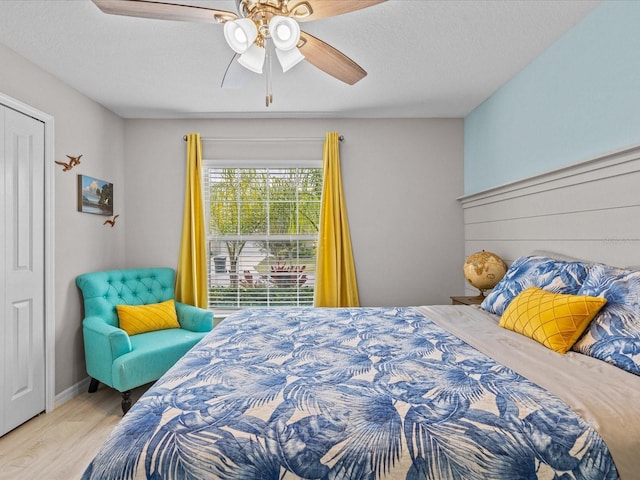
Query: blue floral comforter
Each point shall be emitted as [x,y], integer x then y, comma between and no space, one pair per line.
[365,393]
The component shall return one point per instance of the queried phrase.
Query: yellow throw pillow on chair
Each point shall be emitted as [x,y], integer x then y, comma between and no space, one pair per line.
[136,319]
[552,319]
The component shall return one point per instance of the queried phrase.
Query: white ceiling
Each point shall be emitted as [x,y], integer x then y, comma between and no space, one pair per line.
[424,58]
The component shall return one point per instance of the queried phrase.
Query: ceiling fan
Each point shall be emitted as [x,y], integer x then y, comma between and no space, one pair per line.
[259,28]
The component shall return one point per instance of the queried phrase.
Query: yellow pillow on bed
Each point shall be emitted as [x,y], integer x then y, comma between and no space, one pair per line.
[136,319]
[553,319]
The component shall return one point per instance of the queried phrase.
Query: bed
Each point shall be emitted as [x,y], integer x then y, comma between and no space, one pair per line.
[430,392]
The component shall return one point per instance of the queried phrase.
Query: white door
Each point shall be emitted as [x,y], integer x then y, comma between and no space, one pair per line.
[22,358]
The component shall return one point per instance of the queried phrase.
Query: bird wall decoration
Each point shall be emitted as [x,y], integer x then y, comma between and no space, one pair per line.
[111,222]
[73,161]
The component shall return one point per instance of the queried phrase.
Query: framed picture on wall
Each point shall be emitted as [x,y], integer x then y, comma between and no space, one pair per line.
[95,196]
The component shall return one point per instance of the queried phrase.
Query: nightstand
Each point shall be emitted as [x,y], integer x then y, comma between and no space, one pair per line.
[476,300]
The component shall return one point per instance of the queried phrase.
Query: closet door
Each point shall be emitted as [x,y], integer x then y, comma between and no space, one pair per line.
[21,268]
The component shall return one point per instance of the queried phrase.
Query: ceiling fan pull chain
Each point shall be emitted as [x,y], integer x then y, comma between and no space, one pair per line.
[269,95]
[270,77]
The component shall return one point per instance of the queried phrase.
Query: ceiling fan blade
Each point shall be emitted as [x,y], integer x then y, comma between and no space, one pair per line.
[164,11]
[307,10]
[330,60]
[236,76]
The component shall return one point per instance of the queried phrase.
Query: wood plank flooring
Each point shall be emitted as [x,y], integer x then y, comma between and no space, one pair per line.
[59,445]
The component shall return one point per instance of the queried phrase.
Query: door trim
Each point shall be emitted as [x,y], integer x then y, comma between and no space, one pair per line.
[49,245]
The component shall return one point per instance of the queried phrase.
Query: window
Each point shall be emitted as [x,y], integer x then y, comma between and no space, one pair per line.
[262,234]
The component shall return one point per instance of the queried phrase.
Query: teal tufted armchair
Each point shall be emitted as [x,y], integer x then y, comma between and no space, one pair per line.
[121,361]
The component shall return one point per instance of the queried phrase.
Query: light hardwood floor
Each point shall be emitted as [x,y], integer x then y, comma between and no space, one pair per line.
[59,445]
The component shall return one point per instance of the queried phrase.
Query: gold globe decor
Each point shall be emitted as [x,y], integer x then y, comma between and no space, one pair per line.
[483,270]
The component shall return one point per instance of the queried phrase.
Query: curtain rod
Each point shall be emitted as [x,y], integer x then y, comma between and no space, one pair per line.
[264,139]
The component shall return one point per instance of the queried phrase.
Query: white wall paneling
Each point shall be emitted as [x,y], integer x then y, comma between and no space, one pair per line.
[589,210]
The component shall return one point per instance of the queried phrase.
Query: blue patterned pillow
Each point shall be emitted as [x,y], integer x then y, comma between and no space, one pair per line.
[614,334]
[552,275]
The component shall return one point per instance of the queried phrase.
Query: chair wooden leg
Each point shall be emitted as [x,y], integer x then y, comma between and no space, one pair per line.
[93,386]
[126,401]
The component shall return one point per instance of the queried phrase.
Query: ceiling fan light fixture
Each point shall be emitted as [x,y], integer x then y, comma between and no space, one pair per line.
[253,58]
[240,34]
[284,31]
[249,33]
[289,58]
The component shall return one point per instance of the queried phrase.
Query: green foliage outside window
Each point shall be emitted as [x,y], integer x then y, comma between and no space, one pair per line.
[275,212]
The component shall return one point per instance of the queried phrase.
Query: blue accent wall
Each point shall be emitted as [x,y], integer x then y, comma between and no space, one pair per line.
[579,99]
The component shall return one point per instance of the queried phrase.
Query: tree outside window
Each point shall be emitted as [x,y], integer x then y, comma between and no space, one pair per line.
[263,229]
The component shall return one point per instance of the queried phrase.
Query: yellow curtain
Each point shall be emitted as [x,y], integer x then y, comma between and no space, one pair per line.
[191,275]
[335,270]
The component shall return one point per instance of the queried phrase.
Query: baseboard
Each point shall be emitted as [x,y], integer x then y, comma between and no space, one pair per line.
[72,391]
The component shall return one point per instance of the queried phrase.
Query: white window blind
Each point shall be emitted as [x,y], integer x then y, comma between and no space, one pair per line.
[262,233]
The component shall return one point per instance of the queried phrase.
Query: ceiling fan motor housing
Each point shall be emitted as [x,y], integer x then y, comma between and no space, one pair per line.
[295,8]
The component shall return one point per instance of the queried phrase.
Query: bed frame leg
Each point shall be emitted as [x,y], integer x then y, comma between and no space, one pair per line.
[126,401]
[93,386]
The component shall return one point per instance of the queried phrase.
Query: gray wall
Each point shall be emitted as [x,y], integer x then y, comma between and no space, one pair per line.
[401,180]
[82,243]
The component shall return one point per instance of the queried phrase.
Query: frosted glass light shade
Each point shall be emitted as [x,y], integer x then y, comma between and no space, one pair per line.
[289,58]
[253,58]
[284,31]
[240,34]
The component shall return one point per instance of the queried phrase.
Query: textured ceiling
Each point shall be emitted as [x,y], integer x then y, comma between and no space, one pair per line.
[424,58]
